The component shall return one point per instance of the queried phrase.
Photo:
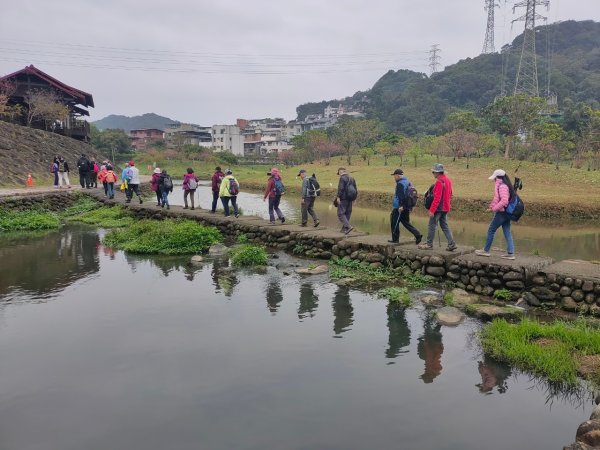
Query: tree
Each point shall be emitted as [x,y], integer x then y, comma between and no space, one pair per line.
[352,134]
[462,120]
[415,151]
[366,154]
[45,106]
[461,143]
[385,149]
[588,141]
[513,115]
[113,141]
[553,141]
[7,89]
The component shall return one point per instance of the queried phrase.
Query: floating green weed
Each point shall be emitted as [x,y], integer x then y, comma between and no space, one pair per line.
[28,220]
[249,255]
[395,295]
[167,237]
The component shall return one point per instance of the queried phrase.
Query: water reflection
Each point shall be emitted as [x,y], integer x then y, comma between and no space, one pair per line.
[343,312]
[494,374]
[430,348]
[223,276]
[41,266]
[308,301]
[398,332]
[274,295]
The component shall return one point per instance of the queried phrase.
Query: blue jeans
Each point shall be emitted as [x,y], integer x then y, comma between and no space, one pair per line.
[110,190]
[500,219]
[164,197]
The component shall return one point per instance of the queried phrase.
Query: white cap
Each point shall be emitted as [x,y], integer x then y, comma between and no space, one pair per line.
[497,173]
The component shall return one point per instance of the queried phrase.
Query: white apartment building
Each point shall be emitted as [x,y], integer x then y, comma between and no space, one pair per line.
[228,138]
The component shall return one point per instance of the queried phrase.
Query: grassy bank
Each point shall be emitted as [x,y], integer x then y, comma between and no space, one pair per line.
[559,351]
[29,220]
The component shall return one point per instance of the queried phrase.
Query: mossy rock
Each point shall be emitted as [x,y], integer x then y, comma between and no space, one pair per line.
[488,312]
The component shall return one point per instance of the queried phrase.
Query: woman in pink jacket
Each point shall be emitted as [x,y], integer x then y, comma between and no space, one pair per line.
[503,193]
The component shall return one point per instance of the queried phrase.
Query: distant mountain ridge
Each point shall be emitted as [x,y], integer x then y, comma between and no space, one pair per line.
[126,123]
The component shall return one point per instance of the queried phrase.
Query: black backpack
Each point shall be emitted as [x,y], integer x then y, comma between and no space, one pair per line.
[428,197]
[351,189]
[314,188]
[167,183]
[411,197]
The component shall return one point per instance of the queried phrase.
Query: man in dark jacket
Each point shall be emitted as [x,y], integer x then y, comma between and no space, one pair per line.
[401,209]
[83,164]
[346,194]
[216,186]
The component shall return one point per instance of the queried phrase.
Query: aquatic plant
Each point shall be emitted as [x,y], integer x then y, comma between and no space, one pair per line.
[503,294]
[558,351]
[83,204]
[167,237]
[417,280]
[298,249]
[242,239]
[395,295]
[360,271]
[28,220]
[448,299]
[248,255]
[113,217]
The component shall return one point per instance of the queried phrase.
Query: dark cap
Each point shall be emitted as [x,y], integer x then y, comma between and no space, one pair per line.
[398,172]
[301,171]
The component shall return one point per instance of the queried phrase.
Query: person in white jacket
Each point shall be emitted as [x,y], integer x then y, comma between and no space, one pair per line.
[133,183]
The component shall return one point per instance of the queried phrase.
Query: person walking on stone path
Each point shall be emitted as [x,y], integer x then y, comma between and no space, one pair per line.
[110,179]
[63,173]
[230,188]
[216,180]
[165,186]
[307,199]
[94,169]
[401,207]
[441,194]
[133,184]
[102,179]
[54,170]
[503,193]
[125,178]
[347,193]
[190,184]
[275,189]
[154,186]
[83,165]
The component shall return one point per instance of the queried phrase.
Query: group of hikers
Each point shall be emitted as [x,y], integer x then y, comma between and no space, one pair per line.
[225,186]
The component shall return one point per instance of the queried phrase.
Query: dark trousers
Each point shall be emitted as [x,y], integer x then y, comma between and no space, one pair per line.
[274,208]
[306,208]
[189,193]
[84,180]
[56,178]
[158,197]
[215,199]
[225,201]
[105,185]
[93,179]
[403,218]
[344,212]
[131,189]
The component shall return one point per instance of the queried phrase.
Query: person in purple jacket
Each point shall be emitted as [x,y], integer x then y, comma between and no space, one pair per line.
[216,187]
[190,184]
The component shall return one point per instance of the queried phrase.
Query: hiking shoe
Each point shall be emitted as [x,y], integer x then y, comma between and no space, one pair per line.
[271,223]
[236,215]
[185,207]
[508,256]
[302,224]
[348,230]
[192,207]
[482,253]
[141,201]
[317,223]
[391,241]
[451,248]
[425,247]
[282,219]
[418,239]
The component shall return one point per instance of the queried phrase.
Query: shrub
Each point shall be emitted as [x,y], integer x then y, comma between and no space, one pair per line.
[167,237]
[249,255]
[417,280]
[395,295]
[242,239]
[503,294]
[28,220]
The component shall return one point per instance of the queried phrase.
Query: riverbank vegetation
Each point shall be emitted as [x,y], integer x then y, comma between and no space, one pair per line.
[247,255]
[396,296]
[365,273]
[166,237]
[29,220]
[558,351]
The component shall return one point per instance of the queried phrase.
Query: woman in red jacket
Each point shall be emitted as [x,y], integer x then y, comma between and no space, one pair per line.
[273,192]
[154,186]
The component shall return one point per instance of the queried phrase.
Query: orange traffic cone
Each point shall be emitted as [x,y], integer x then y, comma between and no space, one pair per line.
[29,181]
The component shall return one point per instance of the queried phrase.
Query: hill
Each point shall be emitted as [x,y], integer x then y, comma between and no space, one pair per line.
[413,103]
[26,150]
[125,123]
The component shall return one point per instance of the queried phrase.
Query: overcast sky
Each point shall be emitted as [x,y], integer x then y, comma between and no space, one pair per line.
[211,62]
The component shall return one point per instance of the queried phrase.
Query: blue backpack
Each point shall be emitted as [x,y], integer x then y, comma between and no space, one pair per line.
[515,208]
[279,188]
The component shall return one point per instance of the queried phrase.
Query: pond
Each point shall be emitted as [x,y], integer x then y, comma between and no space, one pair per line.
[559,240]
[104,350]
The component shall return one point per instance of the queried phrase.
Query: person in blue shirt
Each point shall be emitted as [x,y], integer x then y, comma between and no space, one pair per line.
[401,209]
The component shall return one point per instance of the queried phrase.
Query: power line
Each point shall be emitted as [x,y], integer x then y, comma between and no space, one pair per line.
[434,58]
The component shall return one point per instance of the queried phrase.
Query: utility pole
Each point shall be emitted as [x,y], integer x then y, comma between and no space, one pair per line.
[434,58]
[488,43]
[527,74]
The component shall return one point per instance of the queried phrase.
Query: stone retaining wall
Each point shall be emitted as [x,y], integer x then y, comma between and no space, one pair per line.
[54,201]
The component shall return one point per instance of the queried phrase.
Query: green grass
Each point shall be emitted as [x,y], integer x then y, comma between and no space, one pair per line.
[360,271]
[395,295]
[113,217]
[242,239]
[248,255]
[503,294]
[448,299]
[83,204]
[417,280]
[167,237]
[555,358]
[30,220]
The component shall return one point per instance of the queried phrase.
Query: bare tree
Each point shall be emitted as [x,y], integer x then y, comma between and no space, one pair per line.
[46,106]
[7,89]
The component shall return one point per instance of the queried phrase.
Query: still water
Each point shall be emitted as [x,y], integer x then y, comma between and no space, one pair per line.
[559,240]
[104,350]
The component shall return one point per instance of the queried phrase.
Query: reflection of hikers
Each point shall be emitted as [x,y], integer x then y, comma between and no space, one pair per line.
[274,191]
[437,201]
[165,186]
[347,192]
[63,173]
[430,349]
[307,199]
[154,186]
[190,184]
[133,184]
[493,373]
[230,188]
[274,296]
[110,179]
[503,193]
[216,180]
[399,333]
[402,204]
[83,164]
[343,312]
[308,301]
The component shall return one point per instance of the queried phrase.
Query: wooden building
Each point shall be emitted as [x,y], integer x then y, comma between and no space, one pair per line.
[31,79]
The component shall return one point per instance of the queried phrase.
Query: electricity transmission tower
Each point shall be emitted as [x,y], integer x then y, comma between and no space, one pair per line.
[527,74]
[488,43]
[434,58]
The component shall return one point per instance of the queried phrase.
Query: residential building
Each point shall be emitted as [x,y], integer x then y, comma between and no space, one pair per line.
[179,134]
[228,138]
[143,137]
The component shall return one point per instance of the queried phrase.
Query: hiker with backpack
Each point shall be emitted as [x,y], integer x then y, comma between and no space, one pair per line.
[216,180]
[309,192]
[190,184]
[133,183]
[165,186]
[437,202]
[154,185]
[347,193]
[275,189]
[110,179]
[54,170]
[230,188]
[102,178]
[83,165]
[405,199]
[63,173]
[504,192]
[94,169]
